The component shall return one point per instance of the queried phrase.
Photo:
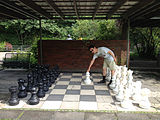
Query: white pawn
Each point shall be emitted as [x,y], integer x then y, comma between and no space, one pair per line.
[127,103]
[87,80]
[144,103]
[137,91]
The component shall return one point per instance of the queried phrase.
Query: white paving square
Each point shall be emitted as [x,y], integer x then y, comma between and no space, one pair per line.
[51,105]
[88,106]
[69,105]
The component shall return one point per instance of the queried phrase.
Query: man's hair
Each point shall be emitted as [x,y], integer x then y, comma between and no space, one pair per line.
[91,46]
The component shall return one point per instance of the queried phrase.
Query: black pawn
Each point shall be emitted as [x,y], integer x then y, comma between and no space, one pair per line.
[22,89]
[29,85]
[45,87]
[14,98]
[34,100]
[41,92]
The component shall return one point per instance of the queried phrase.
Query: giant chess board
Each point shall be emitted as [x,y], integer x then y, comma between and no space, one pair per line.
[69,92]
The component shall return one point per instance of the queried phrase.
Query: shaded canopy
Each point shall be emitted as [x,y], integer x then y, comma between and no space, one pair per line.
[141,13]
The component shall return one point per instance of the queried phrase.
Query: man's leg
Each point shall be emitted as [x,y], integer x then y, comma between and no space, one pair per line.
[108,74]
[113,68]
[104,76]
[104,72]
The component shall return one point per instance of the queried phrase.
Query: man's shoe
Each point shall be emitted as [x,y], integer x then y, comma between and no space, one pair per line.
[102,81]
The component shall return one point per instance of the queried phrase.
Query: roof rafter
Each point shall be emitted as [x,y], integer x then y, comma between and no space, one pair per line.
[147,10]
[55,8]
[35,7]
[116,7]
[7,12]
[137,8]
[149,23]
[17,9]
[98,4]
[75,8]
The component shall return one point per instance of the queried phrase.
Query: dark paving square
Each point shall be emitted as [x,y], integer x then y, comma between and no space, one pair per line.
[87,87]
[74,83]
[73,92]
[67,74]
[64,79]
[97,77]
[88,98]
[55,97]
[76,76]
[102,92]
[61,87]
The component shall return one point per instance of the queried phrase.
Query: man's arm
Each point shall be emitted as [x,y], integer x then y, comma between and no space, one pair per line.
[112,56]
[91,63]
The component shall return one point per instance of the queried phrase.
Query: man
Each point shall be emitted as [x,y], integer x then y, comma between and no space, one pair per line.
[69,37]
[109,60]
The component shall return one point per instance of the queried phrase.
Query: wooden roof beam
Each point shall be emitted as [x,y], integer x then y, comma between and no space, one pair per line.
[116,7]
[10,13]
[137,8]
[148,9]
[55,8]
[10,5]
[35,7]
[145,23]
[98,4]
[75,8]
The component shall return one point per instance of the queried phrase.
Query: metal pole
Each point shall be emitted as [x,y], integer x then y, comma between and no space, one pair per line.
[128,41]
[41,55]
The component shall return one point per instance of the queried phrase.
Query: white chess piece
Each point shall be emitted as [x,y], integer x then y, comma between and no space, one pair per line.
[144,103]
[137,91]
[127,103]
[87,80]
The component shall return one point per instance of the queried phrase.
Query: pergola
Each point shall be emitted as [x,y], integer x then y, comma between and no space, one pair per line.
[140,13]
[132,13]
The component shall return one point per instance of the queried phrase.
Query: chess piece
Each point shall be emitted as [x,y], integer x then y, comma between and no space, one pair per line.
[29,85]
[41,92]
[34,100]
[113,84]
[22,89]
[126,102]
[52,77]
[45,87]
[14,98]
[87,80]
[137,91]
[144,103]
[120,95]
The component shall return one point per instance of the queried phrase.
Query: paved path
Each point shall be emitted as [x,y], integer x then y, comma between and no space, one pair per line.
[61,115]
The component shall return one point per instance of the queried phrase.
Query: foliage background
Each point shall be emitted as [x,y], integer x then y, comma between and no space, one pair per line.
[144,41]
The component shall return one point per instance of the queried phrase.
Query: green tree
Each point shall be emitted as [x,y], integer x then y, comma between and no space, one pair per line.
[146,40]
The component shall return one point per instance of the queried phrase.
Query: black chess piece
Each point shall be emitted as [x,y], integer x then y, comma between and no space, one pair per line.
[52,77]
[22,89]
[49,84]
[45,86]
[14,100]
[29,85]
[34,100]
[41,92]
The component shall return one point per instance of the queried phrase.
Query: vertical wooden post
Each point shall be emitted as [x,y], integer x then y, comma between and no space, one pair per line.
[125,36]
[41,55]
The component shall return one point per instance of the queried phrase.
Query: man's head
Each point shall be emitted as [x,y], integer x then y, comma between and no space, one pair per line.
[93,49]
